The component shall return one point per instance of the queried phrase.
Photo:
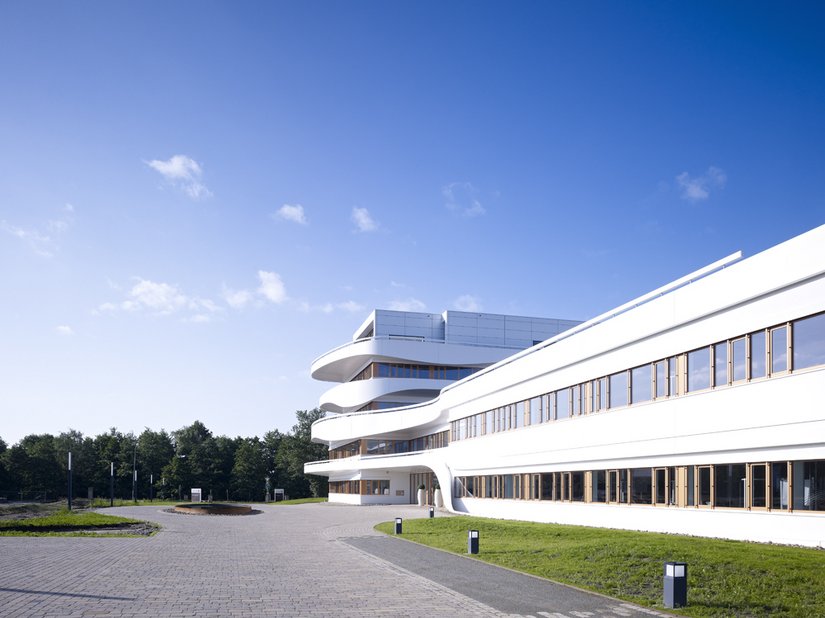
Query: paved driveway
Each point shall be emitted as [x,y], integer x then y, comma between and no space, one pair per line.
[307,560]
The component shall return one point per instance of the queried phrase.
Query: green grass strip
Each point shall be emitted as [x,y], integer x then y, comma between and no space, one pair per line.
[725,578]
[65,519]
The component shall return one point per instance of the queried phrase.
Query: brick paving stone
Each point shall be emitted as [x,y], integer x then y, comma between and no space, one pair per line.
[289,561]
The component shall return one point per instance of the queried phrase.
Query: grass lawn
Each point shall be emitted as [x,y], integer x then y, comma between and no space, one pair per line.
[69,523]
[725,578]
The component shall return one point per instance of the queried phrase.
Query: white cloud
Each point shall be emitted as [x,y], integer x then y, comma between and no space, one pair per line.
[237,299]
[462,197]
[409,304]
[272,288]
[695,189]
[363,220]
[44,244]
[64,330]
[292,212]
[349,306]
[467,302]
[184,173]
[160,299]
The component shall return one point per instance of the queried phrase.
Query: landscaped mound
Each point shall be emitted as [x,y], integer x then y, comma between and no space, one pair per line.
[212,508]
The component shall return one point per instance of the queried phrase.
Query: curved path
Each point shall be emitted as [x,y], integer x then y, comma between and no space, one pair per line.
[306,560]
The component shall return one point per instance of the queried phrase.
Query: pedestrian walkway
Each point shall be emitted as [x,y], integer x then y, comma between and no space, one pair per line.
[306,560]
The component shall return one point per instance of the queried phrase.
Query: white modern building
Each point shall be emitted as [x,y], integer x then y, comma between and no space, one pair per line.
[696,409]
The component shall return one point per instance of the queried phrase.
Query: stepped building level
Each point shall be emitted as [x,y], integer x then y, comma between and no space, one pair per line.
[696,408]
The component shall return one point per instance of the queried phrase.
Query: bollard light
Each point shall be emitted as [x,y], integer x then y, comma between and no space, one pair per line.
[398,525]
[432,512]
[472,542]
[675,584]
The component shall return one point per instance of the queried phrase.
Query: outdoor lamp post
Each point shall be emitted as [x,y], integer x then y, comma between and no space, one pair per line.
[398,525]
[472,541]
[675,584]
[70,480]
[111,483]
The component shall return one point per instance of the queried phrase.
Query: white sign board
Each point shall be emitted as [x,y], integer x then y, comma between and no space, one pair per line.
[196,494]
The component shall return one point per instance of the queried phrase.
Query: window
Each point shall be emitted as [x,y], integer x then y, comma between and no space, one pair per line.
[599,494]
[809,342]
[779,349]
[600,394]
[661,379]
[779,485]
[729,483]
[698,370]
[758,355]
[758,486]
[673,376]
[617,486]
[536,410]
[660,481]
[618,389]
[550,403]
[508,486]
[809,485]
[738,359]
[543,487]
[641,486]
[704,488]
[563,404]
[576,392]
[720,364]
[641,382]
[577,486]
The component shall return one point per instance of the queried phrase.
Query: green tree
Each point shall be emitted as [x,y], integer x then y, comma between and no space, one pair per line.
[249,472]
[5,480]
[297,448]
[33,463]
[154,452]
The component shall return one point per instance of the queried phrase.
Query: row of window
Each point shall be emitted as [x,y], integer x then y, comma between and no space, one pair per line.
[406,370]
[761,354]
[782,486]
[363,488]
[379,446]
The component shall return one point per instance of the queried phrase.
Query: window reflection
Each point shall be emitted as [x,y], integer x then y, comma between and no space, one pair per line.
[758,355]
[698,370]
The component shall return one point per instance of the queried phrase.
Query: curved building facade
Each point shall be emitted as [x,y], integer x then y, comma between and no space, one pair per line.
[696,409]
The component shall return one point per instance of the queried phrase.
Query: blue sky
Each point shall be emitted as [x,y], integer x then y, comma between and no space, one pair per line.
[199,198]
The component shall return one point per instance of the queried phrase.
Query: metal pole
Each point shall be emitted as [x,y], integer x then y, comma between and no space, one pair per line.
[112,483]
[134,473]
[70,480]
[151,482]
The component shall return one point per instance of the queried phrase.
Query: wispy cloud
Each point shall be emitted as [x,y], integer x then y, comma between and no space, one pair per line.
[466,302]
[698,188]
[45,240]
[64,330]
[272,287]
[408,304]
[237,299]
[462,198]
[363,220]
[292,212]
[349,306]
[183,173]
[160,298]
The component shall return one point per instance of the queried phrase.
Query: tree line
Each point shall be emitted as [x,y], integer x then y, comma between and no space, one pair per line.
[168,465]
